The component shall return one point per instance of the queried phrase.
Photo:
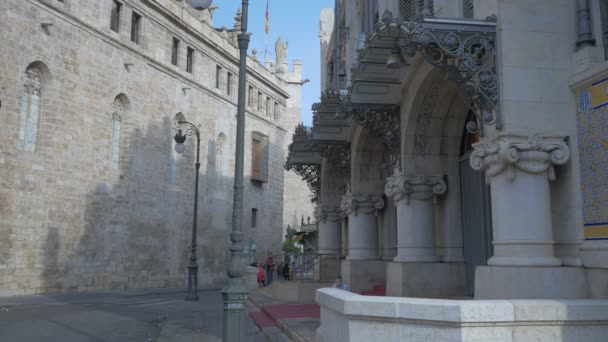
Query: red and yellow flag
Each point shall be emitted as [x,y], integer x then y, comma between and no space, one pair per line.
[267,18]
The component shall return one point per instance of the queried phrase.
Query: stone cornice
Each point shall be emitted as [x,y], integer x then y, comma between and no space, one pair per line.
[361,203]
[508,152]
[421,187]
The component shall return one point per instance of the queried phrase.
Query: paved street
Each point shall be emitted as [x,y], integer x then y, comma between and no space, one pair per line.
[141,316]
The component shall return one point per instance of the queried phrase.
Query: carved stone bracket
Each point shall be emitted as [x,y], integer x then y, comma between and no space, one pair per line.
[421,187]
[509,152]
[361,203]
[383,121]
[337,154]
[467,52]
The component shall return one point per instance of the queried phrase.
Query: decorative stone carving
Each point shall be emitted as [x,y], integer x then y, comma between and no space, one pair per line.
[382,120]
[280,50]
[466,53]
[509,152]
[331,214]
[361,203]
[423,120]
[417,186]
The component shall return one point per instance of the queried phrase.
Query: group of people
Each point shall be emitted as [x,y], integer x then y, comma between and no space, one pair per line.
[267,269]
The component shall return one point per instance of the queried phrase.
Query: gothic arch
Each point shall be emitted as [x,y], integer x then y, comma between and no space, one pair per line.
[36,81]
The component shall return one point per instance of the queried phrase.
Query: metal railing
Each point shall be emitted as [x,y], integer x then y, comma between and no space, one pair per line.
[303,266]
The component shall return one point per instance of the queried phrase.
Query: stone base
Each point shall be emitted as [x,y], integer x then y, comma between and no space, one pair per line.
[597,278]
[328,268]
[427,280]
[362,275]
[530,283]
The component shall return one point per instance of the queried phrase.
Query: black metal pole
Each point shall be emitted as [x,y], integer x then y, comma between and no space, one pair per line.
[192,294]
[235,293]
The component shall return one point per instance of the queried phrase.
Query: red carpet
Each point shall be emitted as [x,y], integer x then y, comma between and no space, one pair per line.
[262,320]
[270,314]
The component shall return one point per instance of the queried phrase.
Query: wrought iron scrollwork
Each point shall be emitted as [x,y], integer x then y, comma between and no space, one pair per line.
[383,121]
[467,56]
[311,174]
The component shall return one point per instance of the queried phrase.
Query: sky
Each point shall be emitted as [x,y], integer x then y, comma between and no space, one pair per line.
[297,22]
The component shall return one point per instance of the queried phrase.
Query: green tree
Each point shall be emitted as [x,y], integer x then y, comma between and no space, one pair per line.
[289,246]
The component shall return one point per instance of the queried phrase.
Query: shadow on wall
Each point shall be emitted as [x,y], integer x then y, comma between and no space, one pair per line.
[136,230]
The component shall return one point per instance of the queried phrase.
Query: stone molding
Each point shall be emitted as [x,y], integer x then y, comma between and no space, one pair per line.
[508,152]
[331,214]
[361,203]
[420,187]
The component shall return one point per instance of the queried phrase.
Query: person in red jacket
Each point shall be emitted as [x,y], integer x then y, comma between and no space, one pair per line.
[261,276]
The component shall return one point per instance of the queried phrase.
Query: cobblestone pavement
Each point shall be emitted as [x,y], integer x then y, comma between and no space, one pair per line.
[139,316]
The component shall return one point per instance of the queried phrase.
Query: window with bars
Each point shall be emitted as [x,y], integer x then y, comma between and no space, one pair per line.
[218,76]
[276,111]
[229,84]
[174,51]
[135,27]
[467,8]
[115,16]
[407,9]
[190,60]
[250,97]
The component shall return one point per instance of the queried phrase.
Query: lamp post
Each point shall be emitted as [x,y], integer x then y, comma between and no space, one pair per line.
[235,293]
[180,138]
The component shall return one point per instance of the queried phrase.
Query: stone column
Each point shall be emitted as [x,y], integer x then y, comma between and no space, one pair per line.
[519,168]
[329,230]
[415,197]
[362,225]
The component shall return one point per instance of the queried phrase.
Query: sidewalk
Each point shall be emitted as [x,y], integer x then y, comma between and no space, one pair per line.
[140,316]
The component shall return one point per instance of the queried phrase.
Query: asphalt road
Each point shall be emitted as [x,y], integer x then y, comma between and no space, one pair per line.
[140,316]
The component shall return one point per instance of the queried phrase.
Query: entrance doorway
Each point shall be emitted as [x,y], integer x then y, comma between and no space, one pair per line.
[476,211]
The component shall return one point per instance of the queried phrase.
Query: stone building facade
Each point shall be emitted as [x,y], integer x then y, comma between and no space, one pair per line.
[472,145]
[92,194]
[470,142]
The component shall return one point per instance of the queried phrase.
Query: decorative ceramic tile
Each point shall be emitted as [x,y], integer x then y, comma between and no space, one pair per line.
[593,144]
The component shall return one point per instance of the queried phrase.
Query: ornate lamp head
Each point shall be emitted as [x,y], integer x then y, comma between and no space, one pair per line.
[200,5]
[179,138]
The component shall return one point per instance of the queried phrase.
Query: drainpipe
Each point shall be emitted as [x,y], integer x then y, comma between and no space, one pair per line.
[585,35]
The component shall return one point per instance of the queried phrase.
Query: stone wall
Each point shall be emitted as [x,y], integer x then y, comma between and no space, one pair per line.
[69,221]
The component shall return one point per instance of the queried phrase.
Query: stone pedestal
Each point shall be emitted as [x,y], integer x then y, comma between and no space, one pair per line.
[362,210]
[519,168]
[414,197]
[425,280]
[329,231]
[530,283]
[363,275]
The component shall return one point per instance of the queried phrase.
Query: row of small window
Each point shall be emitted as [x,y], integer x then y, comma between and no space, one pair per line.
[135,21]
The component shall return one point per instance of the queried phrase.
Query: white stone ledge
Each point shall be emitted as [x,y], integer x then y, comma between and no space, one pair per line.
[462,311]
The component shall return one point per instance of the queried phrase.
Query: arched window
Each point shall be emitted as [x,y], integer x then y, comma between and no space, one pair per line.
[118,112]
[220,158]
[175,157]
[30,108]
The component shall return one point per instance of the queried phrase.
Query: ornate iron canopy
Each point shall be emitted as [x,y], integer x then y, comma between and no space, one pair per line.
[304,160]
[464,48]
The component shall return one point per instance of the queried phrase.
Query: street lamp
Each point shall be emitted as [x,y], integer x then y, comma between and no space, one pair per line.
[180,138]
[235,293]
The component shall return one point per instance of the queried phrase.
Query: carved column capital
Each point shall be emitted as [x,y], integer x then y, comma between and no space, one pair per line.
[421,187]
[507,152]
[329,213]
[361,203]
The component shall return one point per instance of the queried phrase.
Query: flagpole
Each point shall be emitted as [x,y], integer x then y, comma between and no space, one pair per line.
[267,28]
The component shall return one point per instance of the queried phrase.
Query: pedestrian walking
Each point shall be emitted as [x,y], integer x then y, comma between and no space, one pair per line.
[261,276]
[269,268]
[338,283]
[286,271]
